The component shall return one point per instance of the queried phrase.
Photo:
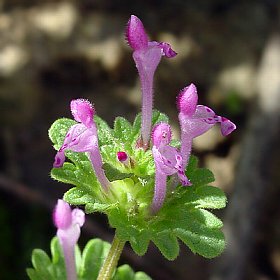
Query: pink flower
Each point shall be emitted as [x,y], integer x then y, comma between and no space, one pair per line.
[82,137]
[147,55]
[122,156]
[68,223]
[196,119]
[168,161]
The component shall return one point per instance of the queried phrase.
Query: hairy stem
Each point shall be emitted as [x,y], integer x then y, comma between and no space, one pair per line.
[111,260]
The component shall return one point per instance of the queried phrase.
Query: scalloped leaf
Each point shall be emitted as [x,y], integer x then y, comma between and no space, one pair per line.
[78,196]
[182,217]
[82,177]
[167,243]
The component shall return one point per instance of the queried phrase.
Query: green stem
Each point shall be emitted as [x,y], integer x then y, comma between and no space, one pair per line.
[111,260]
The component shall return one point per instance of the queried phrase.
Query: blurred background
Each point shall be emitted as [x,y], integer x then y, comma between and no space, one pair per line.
[54,51]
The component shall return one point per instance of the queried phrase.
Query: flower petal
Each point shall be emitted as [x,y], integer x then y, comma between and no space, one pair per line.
[82,111]
[202,111]
[147,61]
[78,217]
[167,50]
[187,100]
[79,138]
[161,134]
[62,215]
[208,116]
[169,161]
[227,127]
[59,159]
[69,237]
[192,127]
[135,34]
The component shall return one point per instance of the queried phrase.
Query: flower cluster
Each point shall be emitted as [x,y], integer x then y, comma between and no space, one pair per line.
[133,173]
[169,161]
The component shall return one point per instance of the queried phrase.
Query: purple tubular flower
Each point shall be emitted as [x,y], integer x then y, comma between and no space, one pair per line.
[168,161]
[196,119]
[82,137]
[147,55]
[68,223]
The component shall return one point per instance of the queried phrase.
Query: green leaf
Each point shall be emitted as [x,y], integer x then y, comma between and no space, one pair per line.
[159,117]
[105,136]
[201,177]
[93,257]
[156,118]
[41,263]
[137,125]
[33,274]
[113,173]
[192,164]
[141,276]
[198,176]
[140,241]
[54,268]
[98,207]
[210,198]
[58,265]
[199,230]
[208,245]
[58,131]
[77,196]
[122,130]
[88,188]
[175,143]
[76,175]
[124,272]
[167,243]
